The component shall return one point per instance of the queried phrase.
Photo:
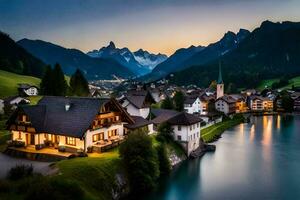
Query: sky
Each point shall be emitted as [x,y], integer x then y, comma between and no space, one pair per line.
[159,26]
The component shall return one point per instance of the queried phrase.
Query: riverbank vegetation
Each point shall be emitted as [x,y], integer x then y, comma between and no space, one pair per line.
[212,133]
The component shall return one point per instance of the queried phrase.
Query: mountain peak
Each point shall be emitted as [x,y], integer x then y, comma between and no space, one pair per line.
[111,45]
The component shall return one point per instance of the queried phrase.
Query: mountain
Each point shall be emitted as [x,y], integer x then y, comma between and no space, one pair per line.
[14,58]
[184,58]
[71,59]
[270,51]
[147,59]
[140,62]
[172,63]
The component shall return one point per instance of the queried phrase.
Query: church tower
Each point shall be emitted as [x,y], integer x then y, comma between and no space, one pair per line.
[220,84]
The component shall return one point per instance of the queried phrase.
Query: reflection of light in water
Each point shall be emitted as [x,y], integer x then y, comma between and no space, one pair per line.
[252,132]
[278,122]
[267,130]
[241,133]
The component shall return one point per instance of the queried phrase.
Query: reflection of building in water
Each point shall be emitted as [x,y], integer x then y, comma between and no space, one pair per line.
[267,130]
[278,121]
[252,132]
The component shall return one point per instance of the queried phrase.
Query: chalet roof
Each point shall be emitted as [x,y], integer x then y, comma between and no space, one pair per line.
[190,99]
[138,122]
[138,97]
[184,118]
[51,116]
[25,86]
[228,99]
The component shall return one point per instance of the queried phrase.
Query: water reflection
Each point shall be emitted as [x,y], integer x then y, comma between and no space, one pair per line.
[252,161]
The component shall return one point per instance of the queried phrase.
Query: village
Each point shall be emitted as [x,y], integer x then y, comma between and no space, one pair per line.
[63,127]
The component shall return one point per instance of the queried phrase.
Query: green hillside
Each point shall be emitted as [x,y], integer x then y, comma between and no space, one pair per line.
[9,83]
[268,83]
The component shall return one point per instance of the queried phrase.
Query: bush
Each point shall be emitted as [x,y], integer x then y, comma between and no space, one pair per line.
[18,144]
[165,133]
[20,171]
[53,188]
[4,186]
[140,162]
[90,149]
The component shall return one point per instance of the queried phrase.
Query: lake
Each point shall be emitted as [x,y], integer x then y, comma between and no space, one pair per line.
[258,160]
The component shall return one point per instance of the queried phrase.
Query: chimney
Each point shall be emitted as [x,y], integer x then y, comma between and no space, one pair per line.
[67,106]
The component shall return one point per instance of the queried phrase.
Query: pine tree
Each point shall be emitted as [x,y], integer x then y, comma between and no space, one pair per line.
[46,86]
[167,104]
[59,83]
[79,85]
[179,101]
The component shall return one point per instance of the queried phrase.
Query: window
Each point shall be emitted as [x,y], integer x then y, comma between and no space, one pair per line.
[179,128]
[197,125]
[179,137]
[70,141]
[193,126]
[96,137]
[20,137]
[190,127]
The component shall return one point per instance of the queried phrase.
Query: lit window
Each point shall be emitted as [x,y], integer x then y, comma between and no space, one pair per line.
[70,141]
[96,137]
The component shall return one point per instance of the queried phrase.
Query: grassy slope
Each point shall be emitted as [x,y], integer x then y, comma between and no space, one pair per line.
[95,174]
[9,82]
[211,133]
[294,81]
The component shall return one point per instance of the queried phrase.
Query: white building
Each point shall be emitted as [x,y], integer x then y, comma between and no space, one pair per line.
[192,104]
[186,130]
[137,103]
[1,106]
[27,90]
[226,104]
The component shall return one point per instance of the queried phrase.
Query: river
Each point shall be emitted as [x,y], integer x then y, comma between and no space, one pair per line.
[258,160]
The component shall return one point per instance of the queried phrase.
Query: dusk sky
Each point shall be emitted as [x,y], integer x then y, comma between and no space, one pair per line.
[151,25]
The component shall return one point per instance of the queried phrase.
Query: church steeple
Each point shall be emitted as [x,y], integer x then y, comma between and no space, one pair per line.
[220,83]
[220,80]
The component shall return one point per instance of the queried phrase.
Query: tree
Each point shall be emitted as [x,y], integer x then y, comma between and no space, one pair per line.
[213,85]
[179,101]
[287,102]
[167,104]
[46,86]
[79,85]
[59,83]
[140,162]
[165,132]
[163,160]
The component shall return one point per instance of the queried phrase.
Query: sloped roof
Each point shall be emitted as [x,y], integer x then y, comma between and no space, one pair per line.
[184,118]
[162,115]
[227,99]
[190,99]
[50,115]
[138,122]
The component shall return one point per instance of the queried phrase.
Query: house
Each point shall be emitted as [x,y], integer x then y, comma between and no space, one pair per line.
[268,104]
[241,104]
[71,124]
[186,127]
[137,102]
[25,89]
[205,101]
[258,103]
[192,104]
[297,103]
[255,103]
[13,101]
[140,123]
[226,104]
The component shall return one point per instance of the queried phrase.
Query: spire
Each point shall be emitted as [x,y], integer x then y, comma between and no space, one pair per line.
[220,80]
